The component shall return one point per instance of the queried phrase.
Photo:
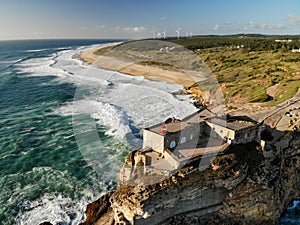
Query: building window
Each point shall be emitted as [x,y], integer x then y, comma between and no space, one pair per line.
[172,144]
[183,140]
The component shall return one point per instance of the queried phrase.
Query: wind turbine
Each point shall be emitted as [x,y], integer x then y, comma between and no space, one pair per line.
[178,32]
[191,34]
[164,33]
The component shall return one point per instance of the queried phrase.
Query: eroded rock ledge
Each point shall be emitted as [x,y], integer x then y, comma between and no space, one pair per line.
[244,186]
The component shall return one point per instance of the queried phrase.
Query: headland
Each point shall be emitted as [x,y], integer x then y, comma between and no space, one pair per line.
[208,169]
[236,168]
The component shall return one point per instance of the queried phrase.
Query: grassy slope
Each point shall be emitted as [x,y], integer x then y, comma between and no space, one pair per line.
[247,72]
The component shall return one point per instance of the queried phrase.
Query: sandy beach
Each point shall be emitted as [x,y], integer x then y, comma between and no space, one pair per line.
[154,73]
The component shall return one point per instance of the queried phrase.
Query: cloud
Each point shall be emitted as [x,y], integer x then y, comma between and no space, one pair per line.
[250,25]
[293,19]
[40,33]
[216,27]
[266,26]
[37,33]
[101,27]
[263,26]
[163,18]
[133,29]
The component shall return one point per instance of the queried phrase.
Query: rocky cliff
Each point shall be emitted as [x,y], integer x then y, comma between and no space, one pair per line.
[246,185]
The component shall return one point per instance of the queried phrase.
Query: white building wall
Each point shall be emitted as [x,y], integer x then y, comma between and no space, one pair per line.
[221,131]
[153,140]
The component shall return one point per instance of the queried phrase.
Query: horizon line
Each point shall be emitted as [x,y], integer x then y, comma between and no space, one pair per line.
[147,38]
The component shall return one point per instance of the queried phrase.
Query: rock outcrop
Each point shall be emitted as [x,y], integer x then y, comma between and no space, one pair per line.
[246,185]
[97,209]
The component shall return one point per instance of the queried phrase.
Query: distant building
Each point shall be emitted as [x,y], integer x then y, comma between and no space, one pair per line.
[284,41]
[296,50]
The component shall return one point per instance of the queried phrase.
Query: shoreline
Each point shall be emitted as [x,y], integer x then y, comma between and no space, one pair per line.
[153,73]
[156,73]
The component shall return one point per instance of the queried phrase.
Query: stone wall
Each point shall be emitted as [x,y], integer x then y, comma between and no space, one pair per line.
[153,140]
[171,159]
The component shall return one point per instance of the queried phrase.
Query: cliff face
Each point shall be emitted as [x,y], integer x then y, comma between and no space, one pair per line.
[97,209]
[244,186]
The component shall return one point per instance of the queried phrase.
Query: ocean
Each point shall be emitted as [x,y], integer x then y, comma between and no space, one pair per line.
[66,126]
[65,129]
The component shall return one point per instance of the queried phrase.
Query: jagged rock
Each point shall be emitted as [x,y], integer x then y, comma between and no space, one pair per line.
[97,209]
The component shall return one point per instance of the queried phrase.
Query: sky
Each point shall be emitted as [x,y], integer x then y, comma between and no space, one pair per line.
[133,19]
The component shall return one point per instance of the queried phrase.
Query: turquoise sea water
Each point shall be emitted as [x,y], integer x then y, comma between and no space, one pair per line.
[39,157]
[44,174]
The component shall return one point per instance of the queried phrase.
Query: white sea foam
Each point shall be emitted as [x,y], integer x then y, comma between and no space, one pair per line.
[11,61]
[62,48]
[116,98]
[106,114]
[55,208]
[36,50]
[119,102]
[296,203]
[40,67]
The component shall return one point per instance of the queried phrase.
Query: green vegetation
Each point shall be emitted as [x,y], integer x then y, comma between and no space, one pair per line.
[253,42]
[247,65]
[289,89]
[162,65]
[250,68]
[104,50]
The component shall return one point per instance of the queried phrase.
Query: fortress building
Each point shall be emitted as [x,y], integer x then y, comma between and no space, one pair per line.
[199,130]
[174,143]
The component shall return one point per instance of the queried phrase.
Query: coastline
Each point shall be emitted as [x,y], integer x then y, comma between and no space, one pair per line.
[160,73]
[118,66]
[154,73]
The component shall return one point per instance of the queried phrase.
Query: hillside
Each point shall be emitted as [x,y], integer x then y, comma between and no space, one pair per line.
[250,68]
